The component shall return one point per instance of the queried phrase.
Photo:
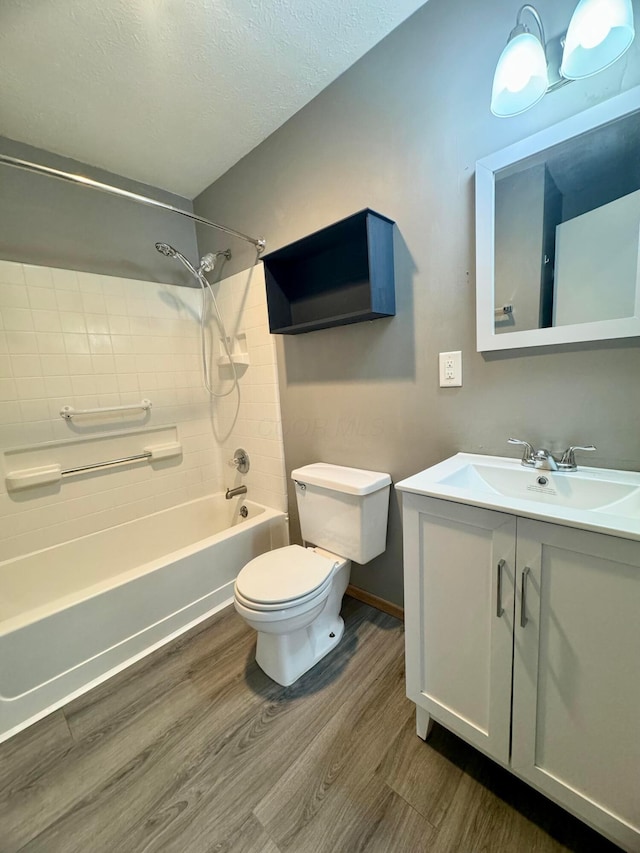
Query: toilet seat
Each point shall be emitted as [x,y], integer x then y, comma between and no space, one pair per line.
[284,578]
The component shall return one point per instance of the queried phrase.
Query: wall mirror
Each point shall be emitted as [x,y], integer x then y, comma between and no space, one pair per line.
[558,232]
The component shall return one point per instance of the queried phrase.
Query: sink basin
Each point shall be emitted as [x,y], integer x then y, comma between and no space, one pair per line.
[599,499]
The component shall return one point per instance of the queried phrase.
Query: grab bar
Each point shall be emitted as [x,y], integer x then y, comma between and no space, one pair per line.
[69,412]
[48,474]
[68,472]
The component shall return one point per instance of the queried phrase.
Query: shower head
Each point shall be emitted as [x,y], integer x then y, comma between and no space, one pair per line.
[166,249]
[208,261]
[169,252]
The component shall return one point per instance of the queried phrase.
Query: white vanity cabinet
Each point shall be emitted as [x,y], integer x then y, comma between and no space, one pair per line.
[523,637]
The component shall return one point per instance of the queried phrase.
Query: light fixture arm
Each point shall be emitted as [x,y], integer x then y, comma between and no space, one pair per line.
[536,16]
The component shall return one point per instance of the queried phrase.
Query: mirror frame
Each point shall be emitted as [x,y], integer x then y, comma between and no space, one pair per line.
[486,170]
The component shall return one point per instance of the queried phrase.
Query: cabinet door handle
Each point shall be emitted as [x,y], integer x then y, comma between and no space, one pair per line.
[523,598]
[499,607]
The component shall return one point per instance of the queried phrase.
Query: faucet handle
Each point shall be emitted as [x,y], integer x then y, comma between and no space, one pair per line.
[240,461]
[568,460]
[527,453]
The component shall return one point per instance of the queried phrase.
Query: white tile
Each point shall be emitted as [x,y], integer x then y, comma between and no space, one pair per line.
[30,387]
[26,365]
[83,385]
[106,384]
[156,346]
[97,324]
[16,435]
[89,282]
[11,272]
[38,276]
[34,410]
[76,344]
[58,386]
[64,279]
[115,305]
[68,300]
[9,414]
[6,371]
[128,382]
[55,365]
[139,325]
[17,319]
[22,343]
[100,344]
[79,364]
[50,342]
[42,297]
[119,325]
[125,364]
[93,303]
[136,306]
[46,321]
[122,344]
[13,296]
[72,321]
[103,363]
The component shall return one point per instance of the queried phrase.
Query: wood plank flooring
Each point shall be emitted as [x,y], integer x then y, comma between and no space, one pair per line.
[194,749]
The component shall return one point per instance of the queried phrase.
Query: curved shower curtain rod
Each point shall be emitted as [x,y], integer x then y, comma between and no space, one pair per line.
[83,181]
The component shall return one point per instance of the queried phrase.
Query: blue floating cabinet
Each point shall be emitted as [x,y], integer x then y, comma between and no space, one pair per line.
[339,275]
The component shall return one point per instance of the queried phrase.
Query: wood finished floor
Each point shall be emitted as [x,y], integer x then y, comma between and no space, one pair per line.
[195,749]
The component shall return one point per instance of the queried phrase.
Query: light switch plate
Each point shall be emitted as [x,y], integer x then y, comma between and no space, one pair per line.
[451,369]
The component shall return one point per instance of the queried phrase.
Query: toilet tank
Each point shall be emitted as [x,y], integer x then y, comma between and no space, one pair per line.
[343,510]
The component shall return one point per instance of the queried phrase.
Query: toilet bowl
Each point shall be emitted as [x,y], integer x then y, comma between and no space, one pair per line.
[292,596]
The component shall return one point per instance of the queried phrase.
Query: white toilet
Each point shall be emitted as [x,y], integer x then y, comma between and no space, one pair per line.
[292,596]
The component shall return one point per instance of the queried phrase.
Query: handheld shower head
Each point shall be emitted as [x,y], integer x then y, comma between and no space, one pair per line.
[166,250]
[207,264]
[169,252]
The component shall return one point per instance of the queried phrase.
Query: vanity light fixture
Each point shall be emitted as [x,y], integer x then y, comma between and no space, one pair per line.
[600,32]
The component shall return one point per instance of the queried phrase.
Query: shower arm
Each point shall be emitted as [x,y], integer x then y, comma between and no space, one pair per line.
[82,180]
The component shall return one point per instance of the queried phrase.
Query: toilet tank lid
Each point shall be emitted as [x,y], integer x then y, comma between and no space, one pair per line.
[352,481]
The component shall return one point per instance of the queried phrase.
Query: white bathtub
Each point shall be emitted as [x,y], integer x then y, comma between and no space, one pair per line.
[74,614]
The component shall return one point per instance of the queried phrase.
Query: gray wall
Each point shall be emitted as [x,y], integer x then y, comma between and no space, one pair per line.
[49,222]
[400,132]
[519,213]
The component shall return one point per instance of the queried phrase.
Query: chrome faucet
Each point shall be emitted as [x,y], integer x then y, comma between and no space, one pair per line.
[544,460]
[233,493]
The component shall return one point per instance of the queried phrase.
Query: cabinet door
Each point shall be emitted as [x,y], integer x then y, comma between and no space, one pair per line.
[459,606]
[576,694]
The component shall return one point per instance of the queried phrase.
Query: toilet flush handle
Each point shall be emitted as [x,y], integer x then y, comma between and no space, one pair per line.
[301,486]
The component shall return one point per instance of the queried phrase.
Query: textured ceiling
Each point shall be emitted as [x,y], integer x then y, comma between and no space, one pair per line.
[173,92]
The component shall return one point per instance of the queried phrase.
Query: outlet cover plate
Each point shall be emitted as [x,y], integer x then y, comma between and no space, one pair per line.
[451,369]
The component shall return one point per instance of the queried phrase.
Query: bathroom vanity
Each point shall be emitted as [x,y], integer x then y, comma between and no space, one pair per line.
[522,613]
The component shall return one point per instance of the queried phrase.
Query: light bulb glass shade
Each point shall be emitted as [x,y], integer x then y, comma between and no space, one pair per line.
[521,77]
[600,31]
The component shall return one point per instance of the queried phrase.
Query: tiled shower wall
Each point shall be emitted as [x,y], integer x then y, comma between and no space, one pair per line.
[252,420]
[86,340]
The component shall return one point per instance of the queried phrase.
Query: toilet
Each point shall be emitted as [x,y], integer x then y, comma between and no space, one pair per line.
[292,596]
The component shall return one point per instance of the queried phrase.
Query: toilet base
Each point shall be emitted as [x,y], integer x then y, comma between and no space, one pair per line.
[285,657]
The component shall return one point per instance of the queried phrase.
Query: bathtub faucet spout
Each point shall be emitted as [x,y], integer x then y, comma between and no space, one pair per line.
[232,493]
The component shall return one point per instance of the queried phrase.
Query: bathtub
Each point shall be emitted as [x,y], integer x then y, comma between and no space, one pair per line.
[74,614]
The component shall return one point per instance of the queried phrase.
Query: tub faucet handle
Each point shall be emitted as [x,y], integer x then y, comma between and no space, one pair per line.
[240,461]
